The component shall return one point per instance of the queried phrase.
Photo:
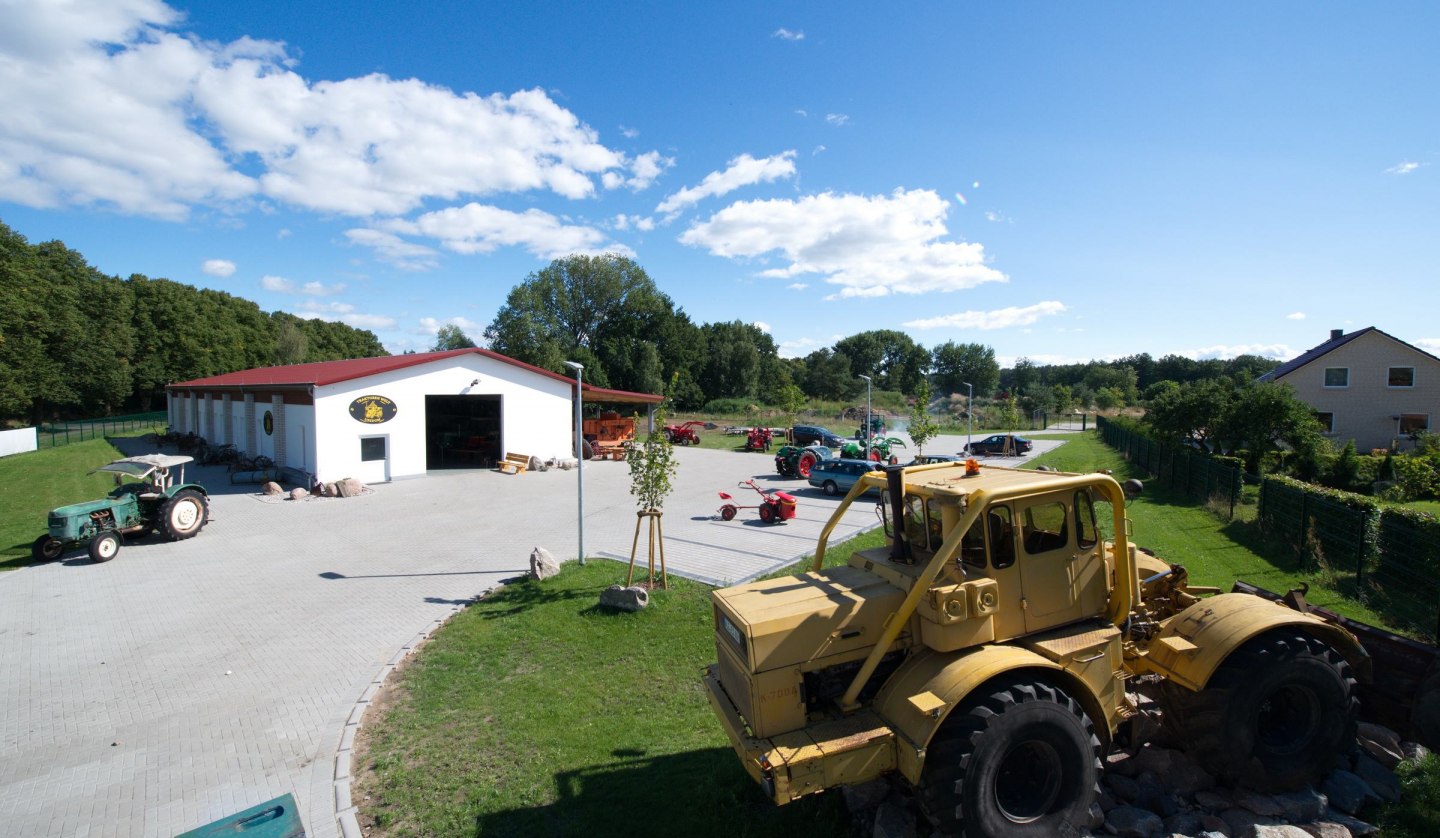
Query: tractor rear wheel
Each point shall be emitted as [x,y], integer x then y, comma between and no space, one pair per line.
[1023,760]
[806,462]
[104,546]
[46,549]
[183,515]
[767,513]
[1277,714]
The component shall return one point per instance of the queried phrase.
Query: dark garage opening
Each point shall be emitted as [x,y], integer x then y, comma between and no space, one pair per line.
[462,431]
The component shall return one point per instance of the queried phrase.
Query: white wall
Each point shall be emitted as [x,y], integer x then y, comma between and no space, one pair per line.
[18,441]
[536,414]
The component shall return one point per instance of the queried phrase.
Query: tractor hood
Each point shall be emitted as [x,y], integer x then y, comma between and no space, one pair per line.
[77,510]
[802,618]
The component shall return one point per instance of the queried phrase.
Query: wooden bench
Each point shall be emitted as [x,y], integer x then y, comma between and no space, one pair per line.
[515,463]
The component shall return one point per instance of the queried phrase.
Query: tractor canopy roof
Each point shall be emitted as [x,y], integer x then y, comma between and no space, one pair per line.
[141,467]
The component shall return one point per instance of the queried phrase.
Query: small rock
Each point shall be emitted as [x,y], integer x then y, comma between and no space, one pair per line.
[1187,779]
[543,564]
[1386,757]
[1212,833]
[1260,804]
[1184,823]
[633,598]
[298,494]
[1347,792]
[893,820]
[1279,831]
[1097,816]
[115,743]
[1133,822]
[1380,735]
[1326,829]
[1240,821]
[272,488]
[866,796]
[331,491]
[1157,761]
[349,487]
[1121,764]
[1382,781]
[1414,751]
[1125,788]
[1302,806]
[1357,827]
[1211,799]
[537,464]
[1214,824]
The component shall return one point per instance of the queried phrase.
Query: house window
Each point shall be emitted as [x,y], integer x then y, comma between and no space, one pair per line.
[372,448]
[1337,376]
[1402,377]
[1411,423]
[1327,421]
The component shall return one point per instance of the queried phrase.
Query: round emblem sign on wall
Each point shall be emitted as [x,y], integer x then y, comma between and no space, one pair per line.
[372,410]
[269,423]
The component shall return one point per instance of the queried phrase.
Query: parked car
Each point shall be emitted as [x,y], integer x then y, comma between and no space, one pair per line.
[928,459]
[803,435]
[1001,444]
[835,477]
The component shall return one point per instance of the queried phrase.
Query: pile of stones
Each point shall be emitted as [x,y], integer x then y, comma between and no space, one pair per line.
[1159,792]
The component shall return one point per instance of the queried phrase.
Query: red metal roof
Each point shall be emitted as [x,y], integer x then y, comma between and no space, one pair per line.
[333,372]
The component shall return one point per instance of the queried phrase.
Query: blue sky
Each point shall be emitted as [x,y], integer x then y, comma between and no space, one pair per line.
[1059,181]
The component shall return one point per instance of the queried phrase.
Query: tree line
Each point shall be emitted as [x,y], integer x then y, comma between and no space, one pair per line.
[75,342]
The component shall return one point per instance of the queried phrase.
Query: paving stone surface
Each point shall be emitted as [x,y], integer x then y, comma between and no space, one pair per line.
[183,682]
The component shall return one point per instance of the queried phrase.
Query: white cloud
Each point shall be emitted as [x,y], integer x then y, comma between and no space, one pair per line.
[1431,345]
[645,225]
[787,35]
[1295,315]
[283,233]
[322,309]
[407,256]
[320,289]
[344,313]
[762,326]
[278,284]
[837,118]
[124,109]
[1004,318]
[366,321]
[1278,351]
[797,286]
[819,149]
[1404,168]
[476,228]
[870,246]
[741,171]
[629,133]
[801,112]
[998,217]
[217,267]
[797,348]
[431,326]
[644,169]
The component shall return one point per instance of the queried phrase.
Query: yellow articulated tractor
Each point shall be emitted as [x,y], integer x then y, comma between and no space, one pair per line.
[991,653]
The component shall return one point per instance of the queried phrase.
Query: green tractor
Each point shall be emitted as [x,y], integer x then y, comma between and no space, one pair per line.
[153,500]
[877,449]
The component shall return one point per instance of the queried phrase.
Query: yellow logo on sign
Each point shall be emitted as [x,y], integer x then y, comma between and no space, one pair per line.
[372,410]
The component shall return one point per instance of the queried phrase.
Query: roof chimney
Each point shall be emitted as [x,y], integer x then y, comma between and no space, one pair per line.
[1336,334]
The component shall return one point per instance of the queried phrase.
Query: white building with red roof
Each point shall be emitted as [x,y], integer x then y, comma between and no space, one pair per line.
[379,419]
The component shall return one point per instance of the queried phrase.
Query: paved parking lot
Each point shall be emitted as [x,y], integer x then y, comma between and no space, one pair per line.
[183,682]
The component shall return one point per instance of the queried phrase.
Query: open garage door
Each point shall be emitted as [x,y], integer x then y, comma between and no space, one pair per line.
[462,431]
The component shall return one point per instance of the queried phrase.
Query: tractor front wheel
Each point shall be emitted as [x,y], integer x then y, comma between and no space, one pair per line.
[104,546]
[1277,714]
[1023,760]
[727,513]
[183,515]
[46,549]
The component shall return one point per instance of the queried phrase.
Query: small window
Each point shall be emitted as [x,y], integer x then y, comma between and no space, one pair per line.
[1337,376]
[1002,537]
[1045,528]
[1414,423]
[1326,420]
[1086,532]
[372,448]
[1402,377]
[972,545]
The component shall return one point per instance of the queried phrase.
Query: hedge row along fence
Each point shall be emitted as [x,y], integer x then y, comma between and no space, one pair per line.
[52,434]
[1199,476]
[1389,557]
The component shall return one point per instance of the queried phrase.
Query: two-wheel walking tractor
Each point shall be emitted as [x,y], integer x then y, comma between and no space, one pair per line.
[774,507]
[153,499]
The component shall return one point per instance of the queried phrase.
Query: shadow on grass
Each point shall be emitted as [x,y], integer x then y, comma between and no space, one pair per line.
[523,593]
[696,793]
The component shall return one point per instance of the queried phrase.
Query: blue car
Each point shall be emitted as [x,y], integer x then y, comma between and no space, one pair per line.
[835,477]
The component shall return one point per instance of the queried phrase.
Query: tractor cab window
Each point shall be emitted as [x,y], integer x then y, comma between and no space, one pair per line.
[1045,528]
[922,524]
[1000,526]
[972,545]
[1087,532]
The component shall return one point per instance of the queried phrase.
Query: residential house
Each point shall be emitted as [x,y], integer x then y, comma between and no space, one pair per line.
[1368,386]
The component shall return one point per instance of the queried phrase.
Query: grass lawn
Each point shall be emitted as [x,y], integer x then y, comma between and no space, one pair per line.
[36,482]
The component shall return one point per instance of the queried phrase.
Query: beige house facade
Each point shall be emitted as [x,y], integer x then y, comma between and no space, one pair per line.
[1368,386]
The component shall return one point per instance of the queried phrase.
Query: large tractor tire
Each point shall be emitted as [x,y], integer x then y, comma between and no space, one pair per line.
[1023,760]
[46,549]
[807,461]
[1277,714]
[104,546]
[183,515]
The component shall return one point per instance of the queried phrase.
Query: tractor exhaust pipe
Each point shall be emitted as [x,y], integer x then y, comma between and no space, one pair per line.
[900,544]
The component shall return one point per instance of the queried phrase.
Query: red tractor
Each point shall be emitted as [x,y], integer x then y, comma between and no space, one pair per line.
[758,440]
[774,506]
[685,433]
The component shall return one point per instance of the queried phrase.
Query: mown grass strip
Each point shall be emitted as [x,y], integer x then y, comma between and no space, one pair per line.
[33,483]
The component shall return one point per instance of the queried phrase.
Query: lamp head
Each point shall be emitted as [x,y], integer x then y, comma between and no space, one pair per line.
[574,366]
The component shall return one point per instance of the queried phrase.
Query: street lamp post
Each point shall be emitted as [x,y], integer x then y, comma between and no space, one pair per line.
[866,434]
[579,456]
[969,414]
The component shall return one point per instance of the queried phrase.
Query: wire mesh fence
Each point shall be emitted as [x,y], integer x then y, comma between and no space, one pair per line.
[52,434]
[1197,475]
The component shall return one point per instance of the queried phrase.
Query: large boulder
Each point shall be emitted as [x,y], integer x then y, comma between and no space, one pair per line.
[272,488]
[632,598]
[298,494]
[349,487]
[543,564]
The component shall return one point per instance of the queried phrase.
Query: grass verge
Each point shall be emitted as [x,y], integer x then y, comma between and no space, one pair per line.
[33,483]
